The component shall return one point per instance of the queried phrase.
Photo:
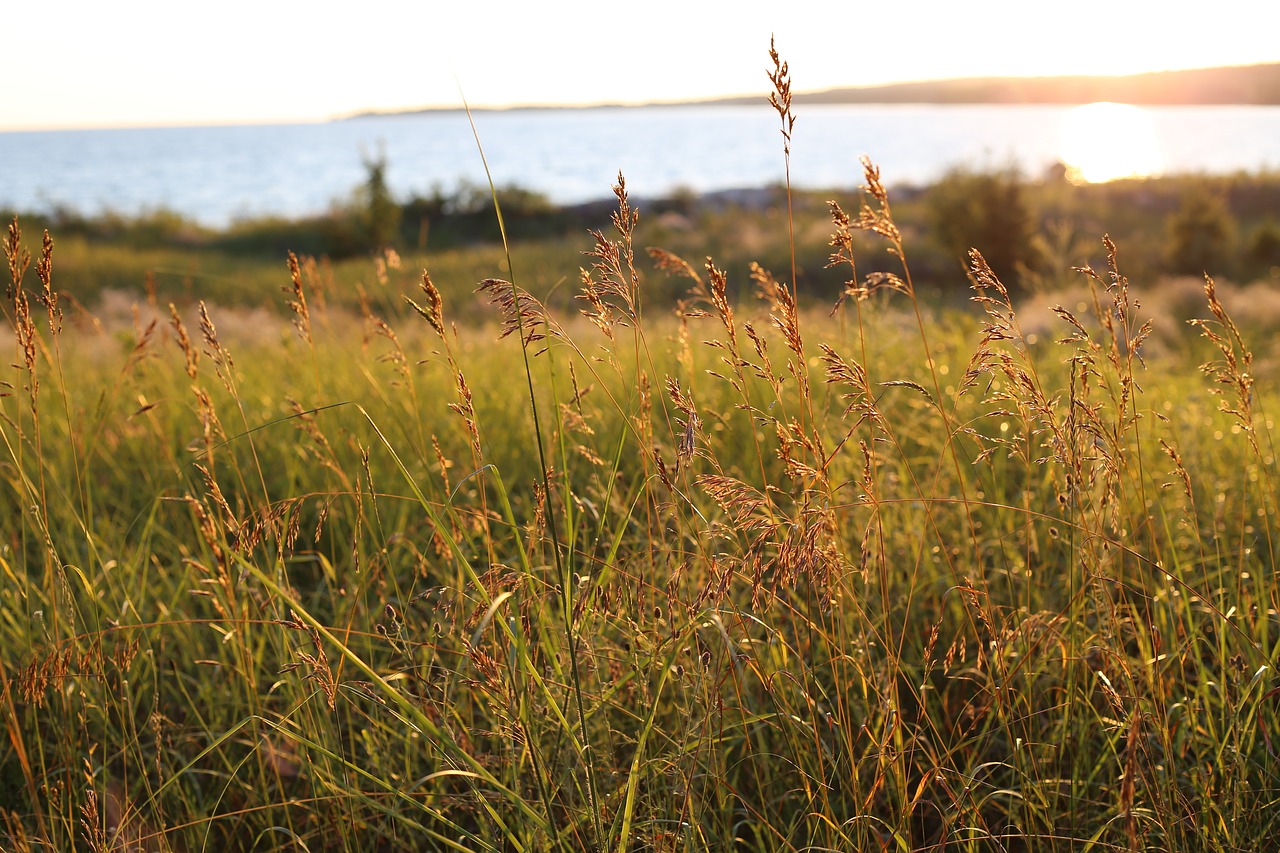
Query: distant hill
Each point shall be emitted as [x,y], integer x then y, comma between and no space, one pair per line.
[1257,85]
[1250,84]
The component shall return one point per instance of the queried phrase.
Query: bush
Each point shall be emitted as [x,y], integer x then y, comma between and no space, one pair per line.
[1264,247]
[987,209]
[1201,234]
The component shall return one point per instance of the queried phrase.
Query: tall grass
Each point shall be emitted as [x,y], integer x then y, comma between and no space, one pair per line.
[903,581]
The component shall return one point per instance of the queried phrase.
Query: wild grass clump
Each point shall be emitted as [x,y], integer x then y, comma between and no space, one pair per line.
[748,575]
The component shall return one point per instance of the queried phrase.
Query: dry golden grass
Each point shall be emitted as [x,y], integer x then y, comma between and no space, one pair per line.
[749,576]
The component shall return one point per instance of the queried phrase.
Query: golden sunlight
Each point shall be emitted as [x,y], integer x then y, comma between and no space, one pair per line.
[1104,141]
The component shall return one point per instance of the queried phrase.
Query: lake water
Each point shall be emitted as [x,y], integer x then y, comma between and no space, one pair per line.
[218,174]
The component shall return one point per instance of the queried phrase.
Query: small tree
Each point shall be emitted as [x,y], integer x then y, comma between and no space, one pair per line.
[379,212]
[1201,234]
[985,211]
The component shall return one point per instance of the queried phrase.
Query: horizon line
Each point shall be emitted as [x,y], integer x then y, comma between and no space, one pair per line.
[727,99]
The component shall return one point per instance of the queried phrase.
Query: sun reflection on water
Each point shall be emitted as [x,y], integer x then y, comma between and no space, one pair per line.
[1105,141]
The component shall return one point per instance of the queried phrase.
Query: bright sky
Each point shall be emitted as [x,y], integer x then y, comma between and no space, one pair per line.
[89,63]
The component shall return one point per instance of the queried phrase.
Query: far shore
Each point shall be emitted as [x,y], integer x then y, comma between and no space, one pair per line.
[1247,85]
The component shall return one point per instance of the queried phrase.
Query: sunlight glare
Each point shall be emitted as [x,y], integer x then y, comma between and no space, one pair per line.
[1105,141]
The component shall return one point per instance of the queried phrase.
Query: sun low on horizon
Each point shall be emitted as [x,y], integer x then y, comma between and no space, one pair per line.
[141,62]
[1104,141]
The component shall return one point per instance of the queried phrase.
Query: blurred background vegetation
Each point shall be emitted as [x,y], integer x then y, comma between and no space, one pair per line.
[1032,230]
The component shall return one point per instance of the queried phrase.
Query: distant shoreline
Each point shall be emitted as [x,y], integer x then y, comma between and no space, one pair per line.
[1248,85]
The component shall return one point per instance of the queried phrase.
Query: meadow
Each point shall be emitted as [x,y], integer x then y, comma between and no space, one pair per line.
[639,549]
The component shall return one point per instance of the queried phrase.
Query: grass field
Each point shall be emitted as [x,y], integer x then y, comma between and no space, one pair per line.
[593,574]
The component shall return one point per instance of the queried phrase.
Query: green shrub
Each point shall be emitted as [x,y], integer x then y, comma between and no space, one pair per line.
[1202,234]
[986,209]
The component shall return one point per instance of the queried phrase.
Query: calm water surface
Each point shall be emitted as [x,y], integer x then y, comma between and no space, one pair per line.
[218,174]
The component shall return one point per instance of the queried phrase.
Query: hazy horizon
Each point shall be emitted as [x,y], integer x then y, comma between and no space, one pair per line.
[489,107]
[143,63]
